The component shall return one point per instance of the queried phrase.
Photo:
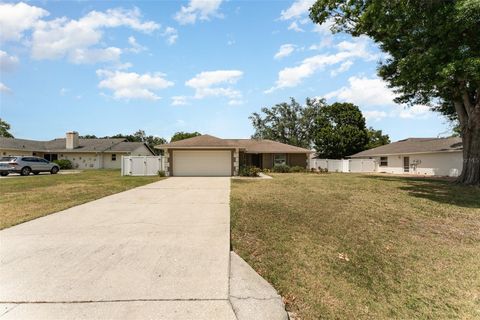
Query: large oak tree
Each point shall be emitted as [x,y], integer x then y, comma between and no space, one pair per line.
[434,56]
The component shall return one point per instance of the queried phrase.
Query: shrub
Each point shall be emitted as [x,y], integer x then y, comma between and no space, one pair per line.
[161,173]
[249,171]
[281,168]
[298,169]
[322,170]
[64,164]
[266,170]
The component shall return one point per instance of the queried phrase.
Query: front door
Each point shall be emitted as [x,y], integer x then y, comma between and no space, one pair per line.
[257,160]
[406,164]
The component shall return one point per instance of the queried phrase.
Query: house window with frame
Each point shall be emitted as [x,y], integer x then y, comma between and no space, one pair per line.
[383,161]
[114,157]
[279,159]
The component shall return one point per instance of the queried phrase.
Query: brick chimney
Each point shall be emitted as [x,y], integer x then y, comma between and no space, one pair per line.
[72,140]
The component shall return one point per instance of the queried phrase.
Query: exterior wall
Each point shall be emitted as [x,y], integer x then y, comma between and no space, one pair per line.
[9,152]
[430,164]
[297,159]
[108,163]
[83,160]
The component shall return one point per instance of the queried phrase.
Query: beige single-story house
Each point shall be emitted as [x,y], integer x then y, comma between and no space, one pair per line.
[420,156]
[206,155]
[83,153]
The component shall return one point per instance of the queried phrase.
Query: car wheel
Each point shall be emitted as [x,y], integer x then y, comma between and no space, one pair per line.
[54,170]
[25,171]
[4,174]
[36,172]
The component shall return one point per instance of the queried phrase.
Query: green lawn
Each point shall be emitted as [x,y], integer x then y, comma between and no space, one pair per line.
[350,246]
[27,198]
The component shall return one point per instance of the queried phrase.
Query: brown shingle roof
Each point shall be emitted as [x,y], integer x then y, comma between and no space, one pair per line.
[249,145]
[414,145]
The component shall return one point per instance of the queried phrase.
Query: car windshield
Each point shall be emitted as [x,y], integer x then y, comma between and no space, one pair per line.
[7,158]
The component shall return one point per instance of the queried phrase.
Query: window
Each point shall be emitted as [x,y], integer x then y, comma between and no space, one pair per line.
[114,157]
[279,158]
[383,161]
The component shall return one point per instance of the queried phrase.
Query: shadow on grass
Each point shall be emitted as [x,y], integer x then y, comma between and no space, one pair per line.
[435,189]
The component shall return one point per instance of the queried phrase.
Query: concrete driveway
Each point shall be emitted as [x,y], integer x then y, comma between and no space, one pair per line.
[161,249]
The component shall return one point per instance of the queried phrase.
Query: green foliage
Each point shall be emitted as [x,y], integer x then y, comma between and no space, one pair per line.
[433,46]
[249,171]
[281,168]
[161,173]
[376,138]
[297,169]
[64,164]
[4,129]
[288,123]
[138,136]
[184,135]
[340,131]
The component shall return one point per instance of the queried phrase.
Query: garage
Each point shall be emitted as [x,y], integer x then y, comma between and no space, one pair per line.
[213,163]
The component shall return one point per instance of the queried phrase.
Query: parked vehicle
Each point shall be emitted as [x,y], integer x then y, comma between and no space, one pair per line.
[26,165]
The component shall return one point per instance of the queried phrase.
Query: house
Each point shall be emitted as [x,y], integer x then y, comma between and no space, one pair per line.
[83,153]
[422,156]
[211,156]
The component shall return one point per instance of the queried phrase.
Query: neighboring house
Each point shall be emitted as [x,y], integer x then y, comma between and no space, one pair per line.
[211,156]
[423,156]
[83,153]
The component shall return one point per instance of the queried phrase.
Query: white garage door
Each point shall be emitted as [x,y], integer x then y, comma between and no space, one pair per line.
[202,163]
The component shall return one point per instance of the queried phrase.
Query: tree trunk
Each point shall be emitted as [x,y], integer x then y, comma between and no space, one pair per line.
[471,150]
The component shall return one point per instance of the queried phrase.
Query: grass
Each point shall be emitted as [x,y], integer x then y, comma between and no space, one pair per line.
[27,198]
[350,246]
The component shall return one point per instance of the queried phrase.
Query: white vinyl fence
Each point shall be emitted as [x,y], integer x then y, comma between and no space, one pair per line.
[142,165]
[351,165]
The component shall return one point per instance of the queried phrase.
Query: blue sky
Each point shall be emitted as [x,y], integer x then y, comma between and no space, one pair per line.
[115,67]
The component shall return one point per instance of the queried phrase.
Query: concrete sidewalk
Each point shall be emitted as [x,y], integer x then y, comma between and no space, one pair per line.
[159,251]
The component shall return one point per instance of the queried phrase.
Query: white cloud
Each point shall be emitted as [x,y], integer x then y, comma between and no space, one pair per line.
[343,67]
[417,111]
[171,34]
[294,26]
[370,92]
[285,50]
[4,88]
[364,91]
[135,47]
[293,76]
[297,9]
[324,28]
[179,100]
[198,9]
[64,91]
[131,85]
[327,41]
[235,102]
[375,115]
[215,83]
[74,38]
[7,62]
[85,56]
[15,19]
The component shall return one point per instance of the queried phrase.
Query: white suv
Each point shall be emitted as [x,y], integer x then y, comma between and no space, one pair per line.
[26,165]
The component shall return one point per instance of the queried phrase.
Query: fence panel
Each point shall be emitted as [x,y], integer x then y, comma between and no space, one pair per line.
[142,165]
[342,165]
